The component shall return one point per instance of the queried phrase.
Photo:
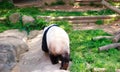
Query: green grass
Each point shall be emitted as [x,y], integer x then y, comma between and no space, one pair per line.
[85,55]
[36,11]
[3,27]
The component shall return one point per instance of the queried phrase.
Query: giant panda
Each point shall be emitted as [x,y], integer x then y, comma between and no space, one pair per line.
[55,42]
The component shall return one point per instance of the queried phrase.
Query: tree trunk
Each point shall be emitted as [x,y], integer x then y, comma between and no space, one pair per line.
[105,3]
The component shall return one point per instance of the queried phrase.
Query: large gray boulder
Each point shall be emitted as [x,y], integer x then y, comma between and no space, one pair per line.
[27,19]
[14,18]
[22,35]
[12,46]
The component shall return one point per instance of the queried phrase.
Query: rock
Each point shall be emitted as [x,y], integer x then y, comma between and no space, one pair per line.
[12,46]
[28,19]
[22,35]
[14,18]
[7,57]
[34,33]
[20,46]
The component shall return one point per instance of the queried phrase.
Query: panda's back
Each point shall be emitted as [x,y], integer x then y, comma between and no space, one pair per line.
[57,40]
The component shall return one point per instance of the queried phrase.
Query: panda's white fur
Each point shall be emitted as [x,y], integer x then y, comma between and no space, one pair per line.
[56,43]
[57,40]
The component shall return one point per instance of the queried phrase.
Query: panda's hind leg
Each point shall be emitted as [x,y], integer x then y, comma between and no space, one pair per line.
[54,59]
[65,61]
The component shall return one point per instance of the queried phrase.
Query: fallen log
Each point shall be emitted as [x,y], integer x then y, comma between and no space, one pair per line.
[101,37]
[99,70]
[116,38]
[106,47]
[105,3]
[2,18]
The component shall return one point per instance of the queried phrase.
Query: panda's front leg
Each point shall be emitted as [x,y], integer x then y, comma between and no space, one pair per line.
[54,59]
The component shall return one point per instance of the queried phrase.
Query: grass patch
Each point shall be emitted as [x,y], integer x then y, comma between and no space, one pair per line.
[3,27]
[85,55]
[99,22]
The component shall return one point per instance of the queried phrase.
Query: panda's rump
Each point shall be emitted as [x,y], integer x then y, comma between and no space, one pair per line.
[58,47]
[57,40]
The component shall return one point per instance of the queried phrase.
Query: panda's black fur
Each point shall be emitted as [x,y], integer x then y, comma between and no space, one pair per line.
[44,39]
[55,57]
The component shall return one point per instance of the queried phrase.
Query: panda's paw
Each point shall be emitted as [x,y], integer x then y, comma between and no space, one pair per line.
[54,62]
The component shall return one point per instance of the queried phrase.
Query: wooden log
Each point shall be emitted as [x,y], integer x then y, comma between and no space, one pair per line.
[105,3]
[101,37]
[106,47]
[99,70]
[116,38]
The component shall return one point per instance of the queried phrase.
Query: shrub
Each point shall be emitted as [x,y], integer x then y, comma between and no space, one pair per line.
[5,4]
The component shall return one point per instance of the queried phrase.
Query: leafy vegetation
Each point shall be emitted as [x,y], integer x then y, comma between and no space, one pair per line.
[5,4]
[37,25]
[36,11]
[85,55]
[3,27]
